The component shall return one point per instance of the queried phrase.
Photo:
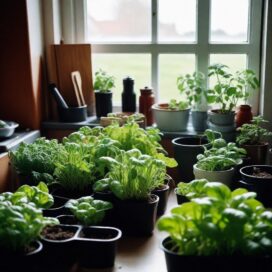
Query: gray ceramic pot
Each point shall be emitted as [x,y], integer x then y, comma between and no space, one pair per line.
[170,120]
[199,120]
[221,119]
[220,176]
[185,151]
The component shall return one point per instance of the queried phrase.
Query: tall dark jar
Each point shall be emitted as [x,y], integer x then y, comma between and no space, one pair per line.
[128,95]
[146,101]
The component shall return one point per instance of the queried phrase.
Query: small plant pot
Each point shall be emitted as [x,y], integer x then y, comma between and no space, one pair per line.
[180,198]
[59,247]
[136,217]
[257,153]
[250,263]
[103,103]
[186,150]
[170,120]
[224,177]
[25,260]
[199,120]
[73,114]
[261,185]
[68,220]
[97,246]
[8,131]
[216,117]
[163,194]
[57,209]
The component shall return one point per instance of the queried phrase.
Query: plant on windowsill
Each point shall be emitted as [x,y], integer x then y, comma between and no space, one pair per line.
[219,162]
[172,116]
[227,91]
[254,139]
[218,228]
[103,84]
[193,87]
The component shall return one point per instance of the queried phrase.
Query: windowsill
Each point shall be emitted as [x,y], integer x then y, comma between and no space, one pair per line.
[92,121]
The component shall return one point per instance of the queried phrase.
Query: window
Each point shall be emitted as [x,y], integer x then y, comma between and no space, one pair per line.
[154,41]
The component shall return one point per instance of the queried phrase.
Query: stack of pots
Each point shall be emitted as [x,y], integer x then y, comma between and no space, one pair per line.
[224,123]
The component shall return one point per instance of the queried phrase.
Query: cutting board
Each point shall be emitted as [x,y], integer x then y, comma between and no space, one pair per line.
[74,57]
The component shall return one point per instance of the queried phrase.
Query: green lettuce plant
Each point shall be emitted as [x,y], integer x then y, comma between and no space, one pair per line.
[177,105]
[191,189]
[218,221]
[38,195]
[132,175]
[87,210]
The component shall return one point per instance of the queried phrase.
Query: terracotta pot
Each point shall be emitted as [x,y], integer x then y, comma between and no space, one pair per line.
[257,153]
[243,115]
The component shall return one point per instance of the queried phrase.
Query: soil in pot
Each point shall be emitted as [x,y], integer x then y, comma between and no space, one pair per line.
[136,217]
[258,178]
[57,233]
[186,150]
[97,246]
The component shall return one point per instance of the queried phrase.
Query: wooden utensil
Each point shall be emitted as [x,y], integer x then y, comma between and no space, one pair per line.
[76,78]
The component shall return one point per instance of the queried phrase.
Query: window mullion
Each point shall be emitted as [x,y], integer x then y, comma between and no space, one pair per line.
[154,52]
[203,29]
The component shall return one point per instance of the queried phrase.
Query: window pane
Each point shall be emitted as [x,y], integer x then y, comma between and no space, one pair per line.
[119,20]
[171,66]
[137,66]
[177,20]
[229,21]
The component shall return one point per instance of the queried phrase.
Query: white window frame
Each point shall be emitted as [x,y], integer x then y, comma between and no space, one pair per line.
[74,29]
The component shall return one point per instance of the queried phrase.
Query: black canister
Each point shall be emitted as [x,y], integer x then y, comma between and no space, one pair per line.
[128,95]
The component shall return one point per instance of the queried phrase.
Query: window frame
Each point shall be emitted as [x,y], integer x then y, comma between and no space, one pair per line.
[74,19]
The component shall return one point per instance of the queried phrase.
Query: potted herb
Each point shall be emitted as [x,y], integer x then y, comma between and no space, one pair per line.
[226,92]
[172,116]
[253,138]
[218,163]
[88,211]
[103,84]
[219,227]
[187,190]
[193,87]
[246,81]
[21,222]
[37,161]
[131,179]
[186,150]
[258,178]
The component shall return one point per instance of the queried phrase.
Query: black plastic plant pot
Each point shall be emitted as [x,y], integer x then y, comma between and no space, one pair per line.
[259,184]
[97,246]
[186,150]
[57,209]
[163,194]
[136,217]
[103,103]
[178,263]
[59,251]
[13,261]
[180,198]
